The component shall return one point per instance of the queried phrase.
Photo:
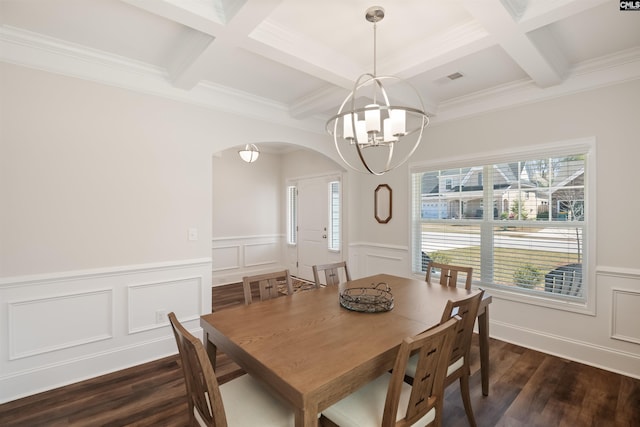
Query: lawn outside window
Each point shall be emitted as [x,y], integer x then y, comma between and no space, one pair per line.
[520,220]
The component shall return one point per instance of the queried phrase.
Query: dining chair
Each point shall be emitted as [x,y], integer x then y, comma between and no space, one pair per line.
[331,273]
[246,401]
[389,401]
[459,368]
[267,284]
[449,274]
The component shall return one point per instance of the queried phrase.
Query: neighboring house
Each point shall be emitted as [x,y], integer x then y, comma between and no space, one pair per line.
[458,193]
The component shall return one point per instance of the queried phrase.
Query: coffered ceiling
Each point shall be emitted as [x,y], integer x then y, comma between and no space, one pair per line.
[293,61]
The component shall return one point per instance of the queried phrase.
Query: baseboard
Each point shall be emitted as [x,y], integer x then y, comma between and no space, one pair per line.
[617,361]
[45,378]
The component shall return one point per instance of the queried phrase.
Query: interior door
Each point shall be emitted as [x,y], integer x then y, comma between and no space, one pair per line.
[313,218]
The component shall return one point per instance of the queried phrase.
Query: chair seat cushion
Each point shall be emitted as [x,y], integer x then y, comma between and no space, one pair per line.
[365,406]
[412,365]
[248,403]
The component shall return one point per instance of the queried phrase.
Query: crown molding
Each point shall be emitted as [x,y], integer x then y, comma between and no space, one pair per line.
[48,54]
[605,71]
[44,53]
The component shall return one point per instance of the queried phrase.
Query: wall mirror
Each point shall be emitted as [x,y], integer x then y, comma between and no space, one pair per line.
[382,203]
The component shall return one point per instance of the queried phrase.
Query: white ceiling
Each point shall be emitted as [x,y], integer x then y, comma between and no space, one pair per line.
[293,61]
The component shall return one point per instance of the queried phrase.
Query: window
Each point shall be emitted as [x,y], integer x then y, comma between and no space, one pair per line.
[333,238]
[292,215]
[522,224]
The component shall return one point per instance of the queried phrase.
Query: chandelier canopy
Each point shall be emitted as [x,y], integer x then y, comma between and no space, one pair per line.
[371,133]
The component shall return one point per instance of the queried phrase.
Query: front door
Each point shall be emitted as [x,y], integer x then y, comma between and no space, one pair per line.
[313,216]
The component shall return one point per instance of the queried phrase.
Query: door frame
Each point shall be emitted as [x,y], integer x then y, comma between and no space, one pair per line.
[291,251]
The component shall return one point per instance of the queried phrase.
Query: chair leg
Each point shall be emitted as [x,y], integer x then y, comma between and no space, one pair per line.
[466,399]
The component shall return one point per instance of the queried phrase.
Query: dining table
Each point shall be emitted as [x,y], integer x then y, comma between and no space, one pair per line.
[311,351]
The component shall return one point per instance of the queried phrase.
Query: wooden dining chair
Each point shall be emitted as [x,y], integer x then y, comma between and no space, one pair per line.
[267,284]
[331,273]
[467,310]
[449,274]
[246,401]
[389,401]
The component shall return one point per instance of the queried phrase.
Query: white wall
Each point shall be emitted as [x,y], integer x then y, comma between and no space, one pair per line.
[99,186]
[247,206]
[247,197]
[98,189]
[249,220]
[611,337]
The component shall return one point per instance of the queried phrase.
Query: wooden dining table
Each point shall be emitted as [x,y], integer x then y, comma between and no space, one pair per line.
[312,352]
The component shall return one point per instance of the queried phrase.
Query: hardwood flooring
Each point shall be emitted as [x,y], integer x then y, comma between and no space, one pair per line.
[527,388]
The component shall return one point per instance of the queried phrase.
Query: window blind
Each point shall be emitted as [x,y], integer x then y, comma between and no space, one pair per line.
[334,216]
[521,224]
[292,214]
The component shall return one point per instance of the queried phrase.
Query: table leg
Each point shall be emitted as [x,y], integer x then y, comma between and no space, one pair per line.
[483,332]
[307,417]
[212,350]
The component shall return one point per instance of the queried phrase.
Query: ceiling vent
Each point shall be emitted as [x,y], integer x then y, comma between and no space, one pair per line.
[454,76]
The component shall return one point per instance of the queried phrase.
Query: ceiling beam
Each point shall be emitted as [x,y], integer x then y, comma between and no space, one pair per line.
[220,33]
[535,52]
[205,21]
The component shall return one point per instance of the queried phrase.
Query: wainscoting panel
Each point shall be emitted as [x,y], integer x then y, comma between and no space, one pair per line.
[257,254]
[69,326]
[252,255]
[625,315]
[368,259]
[227,257]
[150,303]
[42,325]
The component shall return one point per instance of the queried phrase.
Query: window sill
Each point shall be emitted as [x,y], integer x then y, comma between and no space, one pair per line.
[579,307]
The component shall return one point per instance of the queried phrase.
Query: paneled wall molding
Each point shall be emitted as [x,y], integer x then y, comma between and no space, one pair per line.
[238,256]
[36,338]
[625,317]
[69,326]
[66,276]
[259,254]
[379,245]
[163,294]
[229,258]
[367,258]
[631,273]
[216,240]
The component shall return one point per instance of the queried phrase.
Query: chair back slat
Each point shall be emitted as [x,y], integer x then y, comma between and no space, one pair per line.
[449,274]
[203,392]
[331,273]
[467,310]
[267,284]
[427,391]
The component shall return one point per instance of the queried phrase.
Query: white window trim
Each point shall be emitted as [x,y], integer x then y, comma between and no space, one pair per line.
[581,145]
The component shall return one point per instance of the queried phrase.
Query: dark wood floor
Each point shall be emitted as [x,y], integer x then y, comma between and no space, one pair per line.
[528,388]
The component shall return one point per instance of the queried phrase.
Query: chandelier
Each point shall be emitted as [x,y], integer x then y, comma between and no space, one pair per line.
[249,153]
[372,134]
